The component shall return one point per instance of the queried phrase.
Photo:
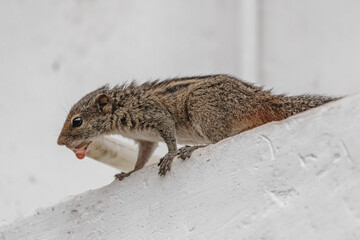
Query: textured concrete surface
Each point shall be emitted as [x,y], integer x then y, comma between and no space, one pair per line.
[295,179]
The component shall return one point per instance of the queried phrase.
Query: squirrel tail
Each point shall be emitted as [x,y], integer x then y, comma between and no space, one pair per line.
[296,104]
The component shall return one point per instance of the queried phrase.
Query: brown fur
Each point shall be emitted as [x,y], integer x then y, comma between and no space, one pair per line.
[195,110]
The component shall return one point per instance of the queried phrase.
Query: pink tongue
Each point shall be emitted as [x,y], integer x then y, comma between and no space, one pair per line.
[81,153]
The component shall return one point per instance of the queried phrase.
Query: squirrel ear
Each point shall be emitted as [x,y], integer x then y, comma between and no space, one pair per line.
[104,103]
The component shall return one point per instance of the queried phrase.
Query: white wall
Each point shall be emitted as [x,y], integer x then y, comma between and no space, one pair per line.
[53,52]
[311,46]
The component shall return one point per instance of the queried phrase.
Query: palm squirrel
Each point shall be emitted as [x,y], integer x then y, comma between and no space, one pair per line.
[191,110]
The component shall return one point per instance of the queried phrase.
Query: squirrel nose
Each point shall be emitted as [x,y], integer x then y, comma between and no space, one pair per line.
[61,141]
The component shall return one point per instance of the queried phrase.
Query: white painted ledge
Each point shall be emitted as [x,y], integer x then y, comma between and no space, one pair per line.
[295,179]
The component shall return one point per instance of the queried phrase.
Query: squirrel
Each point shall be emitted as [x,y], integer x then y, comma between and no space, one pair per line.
[191,110]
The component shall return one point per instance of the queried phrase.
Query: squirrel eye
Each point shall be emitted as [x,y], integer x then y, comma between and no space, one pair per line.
[77,122]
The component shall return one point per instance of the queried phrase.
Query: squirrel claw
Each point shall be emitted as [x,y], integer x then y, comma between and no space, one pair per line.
[121,176]
[165,164]
[185,152]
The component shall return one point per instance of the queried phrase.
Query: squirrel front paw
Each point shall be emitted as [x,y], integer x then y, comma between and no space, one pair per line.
[165,164]
[121,176]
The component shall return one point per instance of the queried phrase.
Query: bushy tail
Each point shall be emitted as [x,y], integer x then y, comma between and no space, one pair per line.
[296,104]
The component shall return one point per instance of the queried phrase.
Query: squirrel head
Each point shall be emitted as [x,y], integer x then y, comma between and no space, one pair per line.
[88,118]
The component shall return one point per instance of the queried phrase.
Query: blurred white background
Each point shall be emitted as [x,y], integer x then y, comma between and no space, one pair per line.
[52,52]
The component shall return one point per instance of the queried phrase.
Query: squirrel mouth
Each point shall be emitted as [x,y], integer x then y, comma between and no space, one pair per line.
[81,150]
